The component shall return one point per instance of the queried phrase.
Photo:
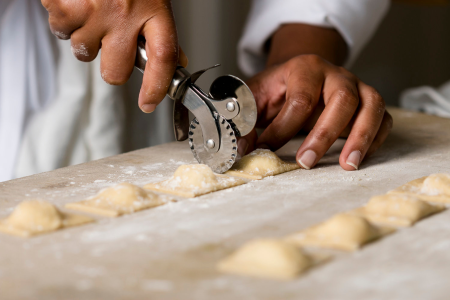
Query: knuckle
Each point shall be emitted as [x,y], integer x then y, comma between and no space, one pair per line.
[375,100]
[364,138]
[60,34]
[46,4]
[301,102]
[166,54]
[57,30]
[323,136]
[347,97]
[52,6]
[81,52]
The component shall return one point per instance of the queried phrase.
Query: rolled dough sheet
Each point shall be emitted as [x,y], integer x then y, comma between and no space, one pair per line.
[270,258]
[433,188]
[194,180]
[34,217]
[347,232]
[397,210]
[124,198]
[259,164]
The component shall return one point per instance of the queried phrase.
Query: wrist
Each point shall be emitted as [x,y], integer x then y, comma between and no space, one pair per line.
[291,40]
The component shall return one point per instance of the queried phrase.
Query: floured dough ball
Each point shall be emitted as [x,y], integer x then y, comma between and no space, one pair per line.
[267,258]
[437,184]
[193,181]
[195,176]
[124,194]
[347,229]
[400,206]
[261,163]
[35,216]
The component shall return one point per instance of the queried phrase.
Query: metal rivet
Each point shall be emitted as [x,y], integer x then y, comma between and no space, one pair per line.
[210,144]
[230,106]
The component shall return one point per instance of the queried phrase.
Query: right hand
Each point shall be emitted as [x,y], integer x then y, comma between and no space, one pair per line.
[114,26]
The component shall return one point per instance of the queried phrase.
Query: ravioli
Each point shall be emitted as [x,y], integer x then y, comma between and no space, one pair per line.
[194,180]
[35,217]
[259,164]
[346,232]
[124,198]
[397,209]
[269,258]
[433,188]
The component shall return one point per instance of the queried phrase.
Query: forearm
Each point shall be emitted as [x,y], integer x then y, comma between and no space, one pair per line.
[291,40]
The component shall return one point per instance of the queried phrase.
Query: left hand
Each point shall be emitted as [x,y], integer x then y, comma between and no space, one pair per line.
[308,93]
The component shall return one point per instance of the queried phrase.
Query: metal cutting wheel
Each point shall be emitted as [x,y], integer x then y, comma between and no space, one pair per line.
[222,160]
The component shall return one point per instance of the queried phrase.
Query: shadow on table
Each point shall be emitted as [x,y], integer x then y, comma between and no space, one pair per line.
[395,147]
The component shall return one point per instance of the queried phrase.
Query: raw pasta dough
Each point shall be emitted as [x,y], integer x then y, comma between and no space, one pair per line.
[124,198]
[268,258]
[259,164]
[437,185]
[194,180]
[35,217]
[434,188]
[343,231]
[397,209]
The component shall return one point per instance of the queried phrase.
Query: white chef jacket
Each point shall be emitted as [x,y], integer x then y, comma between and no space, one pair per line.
[56,111]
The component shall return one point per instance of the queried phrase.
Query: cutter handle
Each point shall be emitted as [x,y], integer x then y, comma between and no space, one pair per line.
[141,55]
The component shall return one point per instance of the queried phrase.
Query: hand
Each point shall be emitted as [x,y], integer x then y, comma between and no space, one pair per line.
[114,26]
[312,94]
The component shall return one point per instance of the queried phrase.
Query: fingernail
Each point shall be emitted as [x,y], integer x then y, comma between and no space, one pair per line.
[308,159]
[353,159]
[242,146]
[148,108]
[263,146]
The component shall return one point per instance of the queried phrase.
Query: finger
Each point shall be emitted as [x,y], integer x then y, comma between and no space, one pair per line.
[85,44]
[247,144]
[383,132]
[162,52]
[365,128]
[62,19]
[182,58]
[341,99]
[270,97]
[118,57]
[302,95]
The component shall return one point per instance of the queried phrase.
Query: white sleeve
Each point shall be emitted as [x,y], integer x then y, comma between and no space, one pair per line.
[355,20]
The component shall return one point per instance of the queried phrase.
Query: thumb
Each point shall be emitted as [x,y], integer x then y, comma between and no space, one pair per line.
[269,90]
[247,144]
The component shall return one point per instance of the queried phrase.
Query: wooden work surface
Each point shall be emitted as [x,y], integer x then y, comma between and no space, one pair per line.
[170,252]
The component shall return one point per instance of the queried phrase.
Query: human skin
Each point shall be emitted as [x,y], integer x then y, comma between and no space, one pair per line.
[114,26]
[304,89]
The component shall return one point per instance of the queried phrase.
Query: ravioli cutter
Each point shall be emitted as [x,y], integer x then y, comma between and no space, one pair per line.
[227,112]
